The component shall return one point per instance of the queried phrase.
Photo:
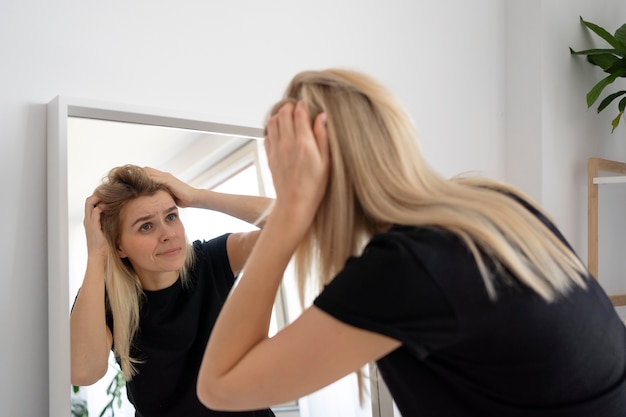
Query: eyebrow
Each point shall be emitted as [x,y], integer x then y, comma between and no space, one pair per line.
[150,216]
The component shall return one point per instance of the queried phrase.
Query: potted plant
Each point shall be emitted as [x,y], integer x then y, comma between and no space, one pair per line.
[613,62]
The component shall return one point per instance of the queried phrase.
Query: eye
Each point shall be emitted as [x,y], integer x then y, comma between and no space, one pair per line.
[171,217]
[146,227]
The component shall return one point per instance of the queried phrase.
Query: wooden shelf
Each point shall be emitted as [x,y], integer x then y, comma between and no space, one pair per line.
[594,167]
[610,179]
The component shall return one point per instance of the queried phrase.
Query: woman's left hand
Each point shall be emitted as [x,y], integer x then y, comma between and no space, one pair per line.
[299,158]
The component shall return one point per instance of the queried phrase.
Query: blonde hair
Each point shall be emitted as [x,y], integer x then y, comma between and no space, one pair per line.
[123,288]
[378,178]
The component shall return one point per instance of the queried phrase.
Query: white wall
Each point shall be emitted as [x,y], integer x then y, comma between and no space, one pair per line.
[231,60]
[551,133]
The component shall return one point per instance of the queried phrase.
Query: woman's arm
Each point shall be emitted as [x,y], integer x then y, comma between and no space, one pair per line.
[90,338]
[248,208]
[242,368]
[251,209]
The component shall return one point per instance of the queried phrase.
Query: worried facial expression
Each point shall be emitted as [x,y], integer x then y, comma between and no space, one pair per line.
[153,237]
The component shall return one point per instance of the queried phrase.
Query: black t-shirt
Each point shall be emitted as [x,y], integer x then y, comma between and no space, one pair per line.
[464,354]
[175,324]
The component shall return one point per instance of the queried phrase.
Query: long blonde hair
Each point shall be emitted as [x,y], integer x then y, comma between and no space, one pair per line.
[378,177]
[123,288]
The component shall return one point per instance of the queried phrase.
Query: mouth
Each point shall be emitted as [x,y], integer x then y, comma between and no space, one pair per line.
[170,252]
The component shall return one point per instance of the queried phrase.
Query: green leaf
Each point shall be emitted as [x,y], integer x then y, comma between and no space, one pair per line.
[595,92]
[608,62]
[615,121]
[593,51]
[598,51]
[621,107]
[108,406]
[620,36]
[601,32]
[609,99]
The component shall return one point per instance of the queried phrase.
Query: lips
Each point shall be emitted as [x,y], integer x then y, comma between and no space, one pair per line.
[170,252]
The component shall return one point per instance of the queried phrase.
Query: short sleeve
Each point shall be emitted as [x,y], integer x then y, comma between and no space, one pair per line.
[389,291]
[212,263]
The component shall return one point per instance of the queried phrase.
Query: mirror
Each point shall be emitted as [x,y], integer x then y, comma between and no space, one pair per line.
[85,139]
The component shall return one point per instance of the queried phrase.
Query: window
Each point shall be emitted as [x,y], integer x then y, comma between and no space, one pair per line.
[243,172]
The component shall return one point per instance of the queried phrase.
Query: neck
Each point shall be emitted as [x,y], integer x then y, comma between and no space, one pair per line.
[158,281]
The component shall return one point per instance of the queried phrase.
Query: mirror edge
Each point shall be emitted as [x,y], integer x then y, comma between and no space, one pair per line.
[58,267]
[58,110]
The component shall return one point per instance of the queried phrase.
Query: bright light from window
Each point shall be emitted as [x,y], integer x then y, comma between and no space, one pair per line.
[201,224]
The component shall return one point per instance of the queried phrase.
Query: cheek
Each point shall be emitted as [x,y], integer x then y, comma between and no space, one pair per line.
[136,247]
[181,230]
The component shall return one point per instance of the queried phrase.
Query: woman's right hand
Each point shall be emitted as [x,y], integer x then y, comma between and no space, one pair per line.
[184,193]
[96,242]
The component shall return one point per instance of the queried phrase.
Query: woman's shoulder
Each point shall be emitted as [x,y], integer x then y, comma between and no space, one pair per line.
[210,246]
[211,263]
[416,235]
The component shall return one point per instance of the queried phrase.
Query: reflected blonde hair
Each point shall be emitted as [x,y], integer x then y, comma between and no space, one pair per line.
[124,291]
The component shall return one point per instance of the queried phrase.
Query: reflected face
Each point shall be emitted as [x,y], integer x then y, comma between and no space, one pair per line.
[153,237]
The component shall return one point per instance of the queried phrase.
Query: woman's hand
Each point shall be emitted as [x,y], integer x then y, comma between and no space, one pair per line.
[184,194]
[96,242]
[299,158]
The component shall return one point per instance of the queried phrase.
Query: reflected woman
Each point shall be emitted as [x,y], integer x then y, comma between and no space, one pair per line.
[150,296]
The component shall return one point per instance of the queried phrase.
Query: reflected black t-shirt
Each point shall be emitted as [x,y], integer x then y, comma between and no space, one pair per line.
[175,324]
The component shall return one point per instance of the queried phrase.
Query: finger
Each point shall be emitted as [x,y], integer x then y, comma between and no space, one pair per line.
[271,132]
[95,213]
[286,128]
[302,121]
[91,202]
[154,174]
[266,144]
[320,130]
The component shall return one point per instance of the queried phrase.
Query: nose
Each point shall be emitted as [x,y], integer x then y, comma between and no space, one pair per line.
[167,234]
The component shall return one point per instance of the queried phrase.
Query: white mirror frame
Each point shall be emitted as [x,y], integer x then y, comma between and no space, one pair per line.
[59,110]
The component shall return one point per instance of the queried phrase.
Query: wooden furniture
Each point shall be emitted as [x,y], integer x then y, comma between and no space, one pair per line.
[594,167]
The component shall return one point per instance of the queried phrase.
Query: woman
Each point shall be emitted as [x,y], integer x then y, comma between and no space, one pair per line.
[463,291]
[149,295]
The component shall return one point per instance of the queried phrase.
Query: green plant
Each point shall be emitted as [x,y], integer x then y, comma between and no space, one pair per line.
[79,405]
[612,61]
[114,390]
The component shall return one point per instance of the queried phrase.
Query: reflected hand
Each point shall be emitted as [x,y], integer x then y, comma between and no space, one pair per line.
[96,242]
[184,194]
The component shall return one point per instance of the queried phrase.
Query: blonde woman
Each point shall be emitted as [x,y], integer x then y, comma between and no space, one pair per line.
[149,295]
[463,291]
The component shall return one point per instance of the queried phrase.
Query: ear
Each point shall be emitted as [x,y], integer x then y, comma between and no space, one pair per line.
[121,253]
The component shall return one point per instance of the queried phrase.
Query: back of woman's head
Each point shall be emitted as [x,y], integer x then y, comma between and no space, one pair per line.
[373,143]
[376,166]
[378,178]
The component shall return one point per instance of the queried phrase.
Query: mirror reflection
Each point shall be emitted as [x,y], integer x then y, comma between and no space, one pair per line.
[208,160]
[205,160]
